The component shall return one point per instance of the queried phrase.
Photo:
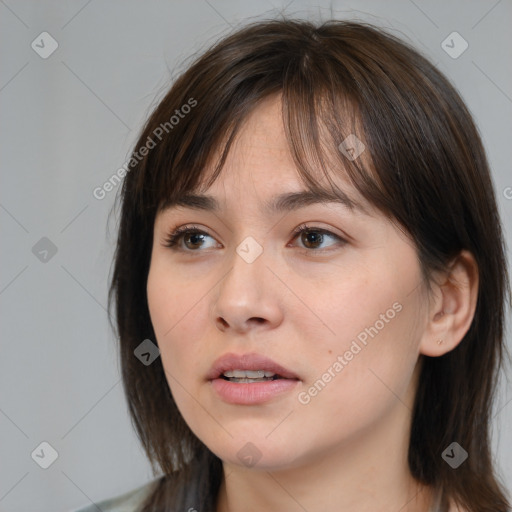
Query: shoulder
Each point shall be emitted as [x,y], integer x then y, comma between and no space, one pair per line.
[126,502]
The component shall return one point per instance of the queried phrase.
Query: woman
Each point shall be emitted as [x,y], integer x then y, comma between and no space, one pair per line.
[309,234]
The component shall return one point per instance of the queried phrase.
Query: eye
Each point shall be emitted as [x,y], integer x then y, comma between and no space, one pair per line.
[313,237]
[191,236]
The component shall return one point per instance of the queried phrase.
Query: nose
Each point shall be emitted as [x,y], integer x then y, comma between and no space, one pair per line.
[248,297]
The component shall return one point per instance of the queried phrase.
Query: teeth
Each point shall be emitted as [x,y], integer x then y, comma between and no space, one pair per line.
[259,374]
[248,381]
[248,374]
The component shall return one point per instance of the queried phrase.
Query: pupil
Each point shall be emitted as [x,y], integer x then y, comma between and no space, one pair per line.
[194,238]
[312,237]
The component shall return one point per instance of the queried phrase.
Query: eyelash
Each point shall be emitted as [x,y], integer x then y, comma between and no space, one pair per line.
[177,234]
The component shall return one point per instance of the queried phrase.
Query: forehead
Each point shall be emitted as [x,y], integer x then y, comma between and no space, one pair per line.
[260,160]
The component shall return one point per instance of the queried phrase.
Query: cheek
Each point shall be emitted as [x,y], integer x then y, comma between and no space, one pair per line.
[364,309]
[369,352]
[176,312]
[372,368]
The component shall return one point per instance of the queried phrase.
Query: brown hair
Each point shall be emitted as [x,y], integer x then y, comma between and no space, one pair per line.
[428,172]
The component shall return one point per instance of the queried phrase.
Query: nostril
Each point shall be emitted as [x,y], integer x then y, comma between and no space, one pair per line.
[223,322]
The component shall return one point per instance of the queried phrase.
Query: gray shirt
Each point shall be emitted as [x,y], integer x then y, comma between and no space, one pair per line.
[132,500]
[127,502]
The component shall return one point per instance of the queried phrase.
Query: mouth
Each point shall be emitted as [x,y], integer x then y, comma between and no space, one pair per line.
[251,367]
[250,379]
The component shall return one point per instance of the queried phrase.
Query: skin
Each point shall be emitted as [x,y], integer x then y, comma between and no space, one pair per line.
[347,448]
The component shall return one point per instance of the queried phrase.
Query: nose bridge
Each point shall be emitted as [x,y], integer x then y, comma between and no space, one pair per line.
[246,291]
[247,275]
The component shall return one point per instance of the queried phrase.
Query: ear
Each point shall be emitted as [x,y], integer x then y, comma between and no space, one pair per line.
[451,307]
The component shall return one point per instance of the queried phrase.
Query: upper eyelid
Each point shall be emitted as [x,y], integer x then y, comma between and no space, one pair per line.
[301,227]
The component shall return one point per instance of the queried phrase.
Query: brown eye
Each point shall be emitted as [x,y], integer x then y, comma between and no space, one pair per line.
[312,239]
[316,239]
[193,240]
[189,238]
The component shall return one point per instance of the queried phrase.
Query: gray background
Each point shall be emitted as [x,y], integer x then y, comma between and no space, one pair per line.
[68,123]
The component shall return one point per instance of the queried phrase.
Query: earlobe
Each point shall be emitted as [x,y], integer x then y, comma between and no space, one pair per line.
[452,308]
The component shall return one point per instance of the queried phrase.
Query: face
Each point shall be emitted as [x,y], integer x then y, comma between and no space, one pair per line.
[326,299]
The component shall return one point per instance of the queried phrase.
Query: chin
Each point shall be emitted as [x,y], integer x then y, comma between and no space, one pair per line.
[247,452]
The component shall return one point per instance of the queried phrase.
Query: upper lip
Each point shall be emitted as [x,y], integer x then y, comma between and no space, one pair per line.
[230,361]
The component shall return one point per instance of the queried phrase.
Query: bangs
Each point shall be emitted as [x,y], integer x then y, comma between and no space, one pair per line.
[322,143]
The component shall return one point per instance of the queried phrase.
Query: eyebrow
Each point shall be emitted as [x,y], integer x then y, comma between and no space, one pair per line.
[282,203]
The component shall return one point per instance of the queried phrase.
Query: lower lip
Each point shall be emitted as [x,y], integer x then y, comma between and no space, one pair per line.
[242,393]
